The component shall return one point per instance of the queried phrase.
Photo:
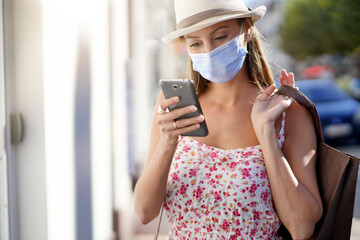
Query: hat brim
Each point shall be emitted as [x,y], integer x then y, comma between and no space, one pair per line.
[255,14]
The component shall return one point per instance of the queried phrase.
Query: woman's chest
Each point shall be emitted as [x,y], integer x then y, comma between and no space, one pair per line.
[231,130]
[202,172]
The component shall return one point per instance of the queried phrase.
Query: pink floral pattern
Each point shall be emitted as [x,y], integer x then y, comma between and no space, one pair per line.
[220,194]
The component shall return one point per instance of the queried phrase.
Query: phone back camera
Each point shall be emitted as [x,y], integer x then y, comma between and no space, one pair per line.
[175,86]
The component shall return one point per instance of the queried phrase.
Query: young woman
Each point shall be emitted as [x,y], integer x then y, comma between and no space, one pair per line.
[256,168]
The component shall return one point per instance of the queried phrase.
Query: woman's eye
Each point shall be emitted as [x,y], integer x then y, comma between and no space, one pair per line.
[194,45]
[220,38]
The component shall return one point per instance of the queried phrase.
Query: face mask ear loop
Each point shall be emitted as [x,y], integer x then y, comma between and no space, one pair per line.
[245,37]
[241,31]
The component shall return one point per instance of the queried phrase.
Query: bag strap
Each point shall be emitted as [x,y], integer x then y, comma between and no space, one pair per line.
[305,102]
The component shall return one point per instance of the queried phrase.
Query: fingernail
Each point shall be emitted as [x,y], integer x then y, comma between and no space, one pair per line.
[200,117]
[176,99]
[193,108]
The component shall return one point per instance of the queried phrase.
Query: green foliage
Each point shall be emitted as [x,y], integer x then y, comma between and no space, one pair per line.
[316,27]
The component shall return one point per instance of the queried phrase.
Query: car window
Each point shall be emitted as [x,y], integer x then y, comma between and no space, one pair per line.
[323,92]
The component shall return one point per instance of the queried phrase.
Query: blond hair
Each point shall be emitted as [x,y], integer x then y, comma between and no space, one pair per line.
[258,69]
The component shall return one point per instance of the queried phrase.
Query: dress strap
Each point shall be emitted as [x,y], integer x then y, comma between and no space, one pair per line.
[281,135]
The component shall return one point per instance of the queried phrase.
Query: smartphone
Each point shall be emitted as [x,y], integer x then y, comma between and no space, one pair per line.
[185,89]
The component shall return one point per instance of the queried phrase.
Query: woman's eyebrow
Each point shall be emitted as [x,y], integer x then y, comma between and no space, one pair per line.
[187,37]
[190,37]
[218,29]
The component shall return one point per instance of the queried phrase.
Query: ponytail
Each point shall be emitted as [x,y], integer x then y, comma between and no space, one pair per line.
[259,69]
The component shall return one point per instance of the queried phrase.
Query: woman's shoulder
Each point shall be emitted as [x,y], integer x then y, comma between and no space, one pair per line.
[298,117]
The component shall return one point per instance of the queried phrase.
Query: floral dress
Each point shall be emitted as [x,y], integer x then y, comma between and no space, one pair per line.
[220,194]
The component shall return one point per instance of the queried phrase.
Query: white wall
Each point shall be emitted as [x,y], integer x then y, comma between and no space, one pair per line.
[24,90]
[60,45]
[71,34]
[141,79]
[101,119]
[120,54]
[43,41]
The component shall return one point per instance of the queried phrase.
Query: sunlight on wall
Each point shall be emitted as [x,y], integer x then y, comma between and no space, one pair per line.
[60,37]
[67,25]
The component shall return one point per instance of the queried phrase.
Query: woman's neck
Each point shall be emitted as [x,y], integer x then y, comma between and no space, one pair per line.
[233,92]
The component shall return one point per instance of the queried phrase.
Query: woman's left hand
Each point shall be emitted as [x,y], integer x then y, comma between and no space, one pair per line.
[269,106]
[287,79]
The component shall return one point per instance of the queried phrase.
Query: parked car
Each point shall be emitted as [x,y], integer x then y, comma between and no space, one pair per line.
[339,113]
[354,88]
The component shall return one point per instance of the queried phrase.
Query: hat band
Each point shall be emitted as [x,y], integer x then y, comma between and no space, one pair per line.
[186,22]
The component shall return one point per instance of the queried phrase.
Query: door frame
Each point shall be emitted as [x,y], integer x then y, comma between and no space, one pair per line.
[4,200]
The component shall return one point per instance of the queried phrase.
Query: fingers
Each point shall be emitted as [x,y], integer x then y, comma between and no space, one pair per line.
[291,79]
[184,130]
[189,121]
[287,79]
[174,114]
[272,99]
[283,77]
[172,128]
[266,93]
[181,111]
[165,104]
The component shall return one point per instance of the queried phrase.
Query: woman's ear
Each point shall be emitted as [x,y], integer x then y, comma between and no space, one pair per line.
[248,34]
[249,29]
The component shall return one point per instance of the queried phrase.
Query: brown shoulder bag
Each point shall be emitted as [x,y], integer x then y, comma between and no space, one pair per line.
[337,176]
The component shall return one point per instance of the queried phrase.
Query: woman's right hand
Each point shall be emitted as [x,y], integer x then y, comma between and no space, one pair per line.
[170,129]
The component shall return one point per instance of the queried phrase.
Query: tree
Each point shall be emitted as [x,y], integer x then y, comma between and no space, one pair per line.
[316,27]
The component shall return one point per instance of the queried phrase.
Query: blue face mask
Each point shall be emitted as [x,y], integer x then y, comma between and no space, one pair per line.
[221,64]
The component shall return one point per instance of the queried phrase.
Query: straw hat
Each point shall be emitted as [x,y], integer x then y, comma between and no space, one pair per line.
[193,15]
